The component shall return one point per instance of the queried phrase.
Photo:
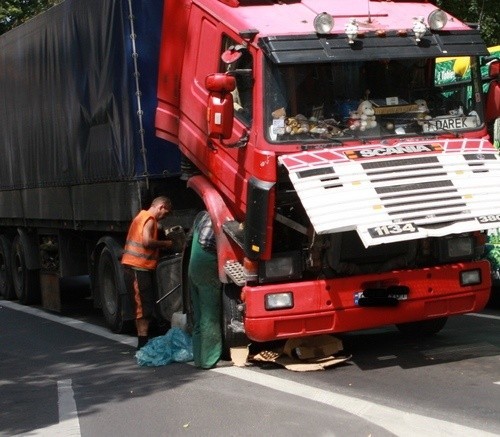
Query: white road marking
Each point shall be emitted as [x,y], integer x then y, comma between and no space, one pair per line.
[399,422]
[82,326]
[387,357]
[69,424]
[484,316]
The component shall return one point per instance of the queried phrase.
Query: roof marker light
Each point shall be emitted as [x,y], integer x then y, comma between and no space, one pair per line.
[437,19]
[323,23]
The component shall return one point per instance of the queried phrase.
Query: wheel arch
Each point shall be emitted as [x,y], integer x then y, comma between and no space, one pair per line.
[219,213]
[112,244]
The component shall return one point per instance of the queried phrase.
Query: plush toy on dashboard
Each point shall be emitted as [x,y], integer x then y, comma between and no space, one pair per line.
[297,125]
[364,117]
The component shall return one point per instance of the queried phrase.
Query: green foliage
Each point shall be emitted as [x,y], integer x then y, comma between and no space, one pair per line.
[486,13]
[15,12]
[493,256]
[493,249]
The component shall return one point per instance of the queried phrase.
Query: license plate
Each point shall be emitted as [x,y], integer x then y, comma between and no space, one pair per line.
[450,123]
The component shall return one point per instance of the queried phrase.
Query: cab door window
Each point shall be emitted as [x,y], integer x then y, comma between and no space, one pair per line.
[237,61]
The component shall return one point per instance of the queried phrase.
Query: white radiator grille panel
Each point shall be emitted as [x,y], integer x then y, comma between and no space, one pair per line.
[389,199]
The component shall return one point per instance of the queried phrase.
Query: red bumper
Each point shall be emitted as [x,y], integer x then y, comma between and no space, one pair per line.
[329,306]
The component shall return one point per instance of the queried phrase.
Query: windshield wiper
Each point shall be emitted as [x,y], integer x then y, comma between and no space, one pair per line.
[328,143]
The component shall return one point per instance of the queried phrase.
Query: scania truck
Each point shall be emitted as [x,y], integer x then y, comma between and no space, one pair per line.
[348,187]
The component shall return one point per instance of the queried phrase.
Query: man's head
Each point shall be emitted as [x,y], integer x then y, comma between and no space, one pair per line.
[160,207]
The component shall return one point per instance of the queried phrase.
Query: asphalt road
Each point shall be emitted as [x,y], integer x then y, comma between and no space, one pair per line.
[69,376]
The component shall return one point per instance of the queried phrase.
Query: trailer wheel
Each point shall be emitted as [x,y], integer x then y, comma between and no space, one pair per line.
[232,320]
[422,328]
[111,287]
[6,286]
[26,282]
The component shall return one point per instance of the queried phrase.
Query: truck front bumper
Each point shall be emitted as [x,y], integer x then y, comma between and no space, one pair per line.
[332,305]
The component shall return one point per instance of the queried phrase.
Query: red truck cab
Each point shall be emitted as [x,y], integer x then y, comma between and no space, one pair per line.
[348,188]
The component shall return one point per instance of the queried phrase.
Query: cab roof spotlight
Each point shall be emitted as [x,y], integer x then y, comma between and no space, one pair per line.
[323,23]
[351,30]
[437,19]
[419,28]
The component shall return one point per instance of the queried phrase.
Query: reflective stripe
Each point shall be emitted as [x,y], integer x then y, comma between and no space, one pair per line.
[139,255]
[132,243]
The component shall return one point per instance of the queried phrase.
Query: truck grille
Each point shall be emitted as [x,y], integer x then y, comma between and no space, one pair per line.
[396,199]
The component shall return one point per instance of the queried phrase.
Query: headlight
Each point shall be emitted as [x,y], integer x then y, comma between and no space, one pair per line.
[279,301]
[323,23]
[282,267]
[470,277]
[455,248]
[437,19]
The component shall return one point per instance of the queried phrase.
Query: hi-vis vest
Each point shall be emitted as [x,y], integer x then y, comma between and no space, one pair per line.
[135,254]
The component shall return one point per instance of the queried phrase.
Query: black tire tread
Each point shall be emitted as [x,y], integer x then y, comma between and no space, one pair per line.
[26,282]
[230,302]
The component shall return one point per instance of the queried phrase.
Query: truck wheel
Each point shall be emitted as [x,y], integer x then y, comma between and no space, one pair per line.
[6,286]
[186,295]
[111,287]
[233,334]
[26,282]
[423,328]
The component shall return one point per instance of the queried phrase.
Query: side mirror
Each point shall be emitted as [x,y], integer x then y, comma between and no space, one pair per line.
[220,109]
[493,94]
[494,69]
[220,83]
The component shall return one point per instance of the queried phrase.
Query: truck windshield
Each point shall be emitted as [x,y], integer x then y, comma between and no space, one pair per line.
[381,98]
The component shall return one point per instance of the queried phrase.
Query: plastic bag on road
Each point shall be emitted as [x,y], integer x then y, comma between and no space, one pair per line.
[175,346]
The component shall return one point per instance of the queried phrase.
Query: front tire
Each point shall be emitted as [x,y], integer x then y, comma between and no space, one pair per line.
[111,288]
[187,304]
[26,282]
[422,328]
[232,320]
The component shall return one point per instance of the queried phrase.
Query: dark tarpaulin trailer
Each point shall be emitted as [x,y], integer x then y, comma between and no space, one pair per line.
[77,146]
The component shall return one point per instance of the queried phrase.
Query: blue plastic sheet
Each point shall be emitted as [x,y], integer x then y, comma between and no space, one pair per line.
[175,346]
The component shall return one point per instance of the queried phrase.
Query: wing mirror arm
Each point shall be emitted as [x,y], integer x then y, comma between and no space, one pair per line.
[242,142]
